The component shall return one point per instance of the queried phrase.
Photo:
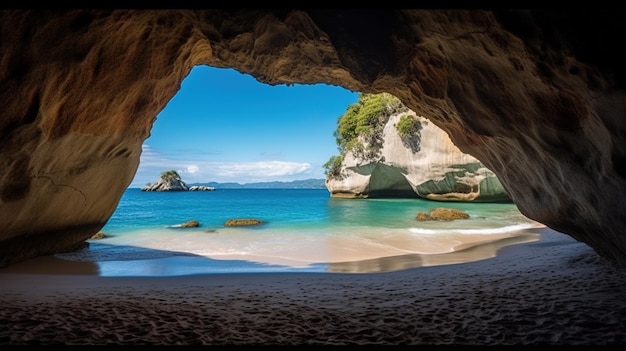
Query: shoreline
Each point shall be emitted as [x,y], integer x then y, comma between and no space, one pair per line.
[372,255]
[551,291]
[144,262]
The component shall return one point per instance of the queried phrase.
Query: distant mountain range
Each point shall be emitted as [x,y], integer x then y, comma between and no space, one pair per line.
[296,184]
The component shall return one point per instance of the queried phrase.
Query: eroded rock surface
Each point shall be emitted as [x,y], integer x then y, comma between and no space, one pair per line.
[536,96]
[242,222]
[167,185]
[441,214]
[432,167]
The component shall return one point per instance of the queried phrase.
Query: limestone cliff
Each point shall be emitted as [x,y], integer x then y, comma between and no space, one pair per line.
[423,162]
[538,96]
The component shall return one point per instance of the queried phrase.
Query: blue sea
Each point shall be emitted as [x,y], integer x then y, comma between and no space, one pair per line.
[303,230]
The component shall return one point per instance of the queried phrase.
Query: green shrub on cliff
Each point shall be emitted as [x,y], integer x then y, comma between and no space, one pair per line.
[407,126]
[333,166]
[409,129]
[360,129]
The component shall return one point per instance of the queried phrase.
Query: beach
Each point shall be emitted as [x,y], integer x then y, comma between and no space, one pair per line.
[303,230]
[554,291]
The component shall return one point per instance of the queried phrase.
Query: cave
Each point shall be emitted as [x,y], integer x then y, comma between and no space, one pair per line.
[536,95]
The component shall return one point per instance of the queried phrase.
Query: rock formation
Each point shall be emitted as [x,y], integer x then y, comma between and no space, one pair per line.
[242,222]
[166,185]
[441,214]
[188,224]
[427,165]
[201,188]
[171,181]
[536,96]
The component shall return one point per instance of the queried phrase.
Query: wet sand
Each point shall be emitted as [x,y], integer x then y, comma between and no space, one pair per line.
[550,291]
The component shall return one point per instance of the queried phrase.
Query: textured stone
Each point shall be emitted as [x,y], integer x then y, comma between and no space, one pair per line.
[242,222]
[98,236]
[167,185]
[536,96]
[201,188]
[431,167]
[441,214]
[190,224]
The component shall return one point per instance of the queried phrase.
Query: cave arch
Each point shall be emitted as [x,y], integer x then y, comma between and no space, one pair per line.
[389,182]
[528,93]
[224,126]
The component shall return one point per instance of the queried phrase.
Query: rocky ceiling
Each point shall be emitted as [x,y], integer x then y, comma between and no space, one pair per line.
[537,96]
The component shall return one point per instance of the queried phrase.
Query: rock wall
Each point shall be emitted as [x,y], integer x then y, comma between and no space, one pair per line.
[536,96]
[431,167]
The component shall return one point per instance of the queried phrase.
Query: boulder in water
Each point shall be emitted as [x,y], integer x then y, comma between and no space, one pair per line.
[240,222]
[441,214]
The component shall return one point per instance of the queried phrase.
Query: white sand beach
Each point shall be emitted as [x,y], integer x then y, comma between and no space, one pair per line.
[551,291]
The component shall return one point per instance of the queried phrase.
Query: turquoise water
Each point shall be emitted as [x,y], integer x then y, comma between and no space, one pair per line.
[290,208]
[303,230]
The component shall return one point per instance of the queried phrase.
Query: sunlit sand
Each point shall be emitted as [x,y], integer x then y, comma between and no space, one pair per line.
[554,290]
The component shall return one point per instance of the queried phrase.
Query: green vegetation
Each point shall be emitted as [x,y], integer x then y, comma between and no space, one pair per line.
[333,166]
[170,175]
[360,129]
[408,126]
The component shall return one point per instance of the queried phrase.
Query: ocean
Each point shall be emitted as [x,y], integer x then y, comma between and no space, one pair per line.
[303,230]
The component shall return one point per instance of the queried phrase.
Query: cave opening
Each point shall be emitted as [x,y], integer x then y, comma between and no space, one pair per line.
[220,131]
[226,127]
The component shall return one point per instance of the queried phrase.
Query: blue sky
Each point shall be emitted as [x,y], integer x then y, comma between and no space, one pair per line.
[225,126]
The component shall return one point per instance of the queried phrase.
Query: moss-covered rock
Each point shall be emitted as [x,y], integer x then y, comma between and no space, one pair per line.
[240,222]
[441,214]
[190,224]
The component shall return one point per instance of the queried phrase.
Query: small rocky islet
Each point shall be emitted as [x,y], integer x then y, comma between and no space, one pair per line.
[171,181]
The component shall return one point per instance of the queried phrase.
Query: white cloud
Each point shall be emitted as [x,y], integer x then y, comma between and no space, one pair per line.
[150,157]
[261,169]
[198,171]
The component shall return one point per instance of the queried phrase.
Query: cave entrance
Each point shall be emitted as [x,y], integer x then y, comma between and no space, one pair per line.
[224,126]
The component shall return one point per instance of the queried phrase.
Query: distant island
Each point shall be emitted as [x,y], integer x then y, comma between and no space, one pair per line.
[296,184]
[171,181]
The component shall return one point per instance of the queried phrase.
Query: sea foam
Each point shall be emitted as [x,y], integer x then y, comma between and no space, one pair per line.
[486,231]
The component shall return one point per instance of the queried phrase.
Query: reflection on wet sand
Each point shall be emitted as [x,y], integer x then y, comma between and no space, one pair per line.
[52,265]
[468,253]
[119,262]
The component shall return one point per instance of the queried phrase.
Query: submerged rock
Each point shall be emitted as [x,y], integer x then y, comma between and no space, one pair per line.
[188,224]
[441,214]
[240,222]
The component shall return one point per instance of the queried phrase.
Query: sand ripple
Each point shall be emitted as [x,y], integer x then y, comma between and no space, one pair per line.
[507,300]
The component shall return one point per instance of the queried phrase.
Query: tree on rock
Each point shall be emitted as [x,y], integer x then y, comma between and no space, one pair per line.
[169,181]
[170,175]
